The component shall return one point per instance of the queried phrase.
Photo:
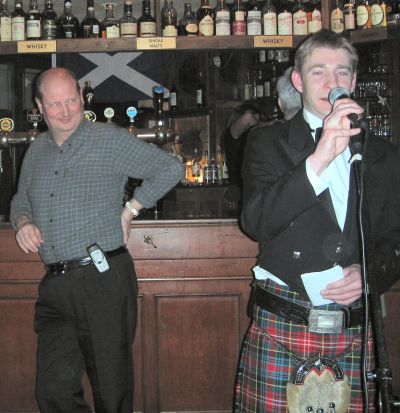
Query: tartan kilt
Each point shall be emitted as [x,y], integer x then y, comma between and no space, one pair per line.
[265,366]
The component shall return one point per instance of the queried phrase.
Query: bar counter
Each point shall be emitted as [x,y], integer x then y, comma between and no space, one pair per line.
[194,278]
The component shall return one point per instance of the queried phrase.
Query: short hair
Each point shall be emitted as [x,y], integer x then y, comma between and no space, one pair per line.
[37,91]
[324,38]
[289,98]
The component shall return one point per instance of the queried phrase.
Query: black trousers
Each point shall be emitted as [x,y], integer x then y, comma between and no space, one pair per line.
[85,321]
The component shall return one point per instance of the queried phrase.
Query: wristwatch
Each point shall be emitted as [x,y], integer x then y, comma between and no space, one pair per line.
[131,208]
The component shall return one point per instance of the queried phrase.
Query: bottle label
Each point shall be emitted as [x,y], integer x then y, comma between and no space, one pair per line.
[32,29]
[337,21]
[49,29]
[172,99]
[191,29]
[239,28]
[285,22]
[222,23]
[206,26]
[315,22]
[300,23]
[239,15]
[377,15]
[129,29]
[112,31]
[199,96]
[270,24]
[170,31]
[5,29]
[147,29]
[18,28]
[362,15]
[254,23]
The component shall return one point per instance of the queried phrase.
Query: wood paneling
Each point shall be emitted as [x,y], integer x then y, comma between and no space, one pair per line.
[191,320]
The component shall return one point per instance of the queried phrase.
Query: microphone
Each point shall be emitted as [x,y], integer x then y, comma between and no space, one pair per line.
[356,142]
[357,121]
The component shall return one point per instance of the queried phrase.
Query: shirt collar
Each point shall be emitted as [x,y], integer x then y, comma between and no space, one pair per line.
[313,121]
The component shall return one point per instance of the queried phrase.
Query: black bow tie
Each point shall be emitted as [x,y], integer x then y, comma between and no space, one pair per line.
[318,133]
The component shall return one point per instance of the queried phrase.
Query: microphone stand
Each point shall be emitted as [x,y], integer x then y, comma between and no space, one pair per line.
[383,373]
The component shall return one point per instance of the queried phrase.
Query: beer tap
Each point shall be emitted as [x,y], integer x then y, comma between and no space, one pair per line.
[6,127]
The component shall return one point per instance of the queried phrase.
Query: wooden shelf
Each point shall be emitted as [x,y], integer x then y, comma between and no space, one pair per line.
[194,43]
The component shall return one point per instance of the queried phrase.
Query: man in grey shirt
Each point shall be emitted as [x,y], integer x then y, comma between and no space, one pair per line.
[70,197]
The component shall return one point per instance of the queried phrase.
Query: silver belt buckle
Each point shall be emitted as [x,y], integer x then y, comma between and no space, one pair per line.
[325,321]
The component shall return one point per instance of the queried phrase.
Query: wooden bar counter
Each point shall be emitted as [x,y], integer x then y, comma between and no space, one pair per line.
[194,278]
[194,281]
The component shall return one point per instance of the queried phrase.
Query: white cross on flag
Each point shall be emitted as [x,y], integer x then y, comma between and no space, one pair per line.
[118,77]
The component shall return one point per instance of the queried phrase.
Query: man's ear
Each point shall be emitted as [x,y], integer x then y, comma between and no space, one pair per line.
[39,104]
[296,80]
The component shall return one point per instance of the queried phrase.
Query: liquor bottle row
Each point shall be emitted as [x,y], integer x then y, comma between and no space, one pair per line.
[202,169]
[46,25]
[361,14]
[255,18]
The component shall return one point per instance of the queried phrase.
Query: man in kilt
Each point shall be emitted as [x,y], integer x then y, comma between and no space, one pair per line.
[300,203]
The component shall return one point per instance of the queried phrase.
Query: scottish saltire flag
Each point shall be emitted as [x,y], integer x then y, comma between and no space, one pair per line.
[118,77]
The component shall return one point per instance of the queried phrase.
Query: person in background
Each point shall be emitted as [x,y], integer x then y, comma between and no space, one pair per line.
[234,139]
[289,99]
[300,204]
[68,208]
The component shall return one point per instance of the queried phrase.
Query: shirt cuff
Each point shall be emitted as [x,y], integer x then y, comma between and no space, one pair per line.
[318,182]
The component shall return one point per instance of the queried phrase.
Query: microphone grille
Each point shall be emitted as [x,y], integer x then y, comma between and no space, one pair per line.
[338,93]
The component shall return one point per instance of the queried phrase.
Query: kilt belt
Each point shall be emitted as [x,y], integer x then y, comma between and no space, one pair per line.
[322,321]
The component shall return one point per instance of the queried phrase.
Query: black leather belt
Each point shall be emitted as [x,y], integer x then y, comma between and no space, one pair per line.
[297,313]
[61,267]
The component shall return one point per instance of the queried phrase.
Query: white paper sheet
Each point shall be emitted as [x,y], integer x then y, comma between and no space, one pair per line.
[315,282]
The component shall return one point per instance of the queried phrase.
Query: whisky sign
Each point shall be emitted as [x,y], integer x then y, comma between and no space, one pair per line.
[156,43]
[273,41]
[37,46]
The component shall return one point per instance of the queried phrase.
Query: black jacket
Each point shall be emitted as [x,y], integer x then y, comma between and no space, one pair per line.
[297,231]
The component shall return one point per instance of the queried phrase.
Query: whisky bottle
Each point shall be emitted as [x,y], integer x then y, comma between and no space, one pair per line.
[254,26]
[200,92]
[238,19]
[363,15]
[173,97]
[5,22]
[49,21]
[188,25]
[127,23]
[349,15]
[205,17]
[67,23]
[33,24]
[269,17]
[109,27]
[285,21]
[260,84]
[90,26]
[169,20]
[146,22]
[378,13]
[299,19]
[337,18]
[222,19]
[314,17]
[196,167]
[18,22]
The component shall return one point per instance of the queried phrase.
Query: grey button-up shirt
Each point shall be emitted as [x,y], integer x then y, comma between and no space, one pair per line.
[74,193]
